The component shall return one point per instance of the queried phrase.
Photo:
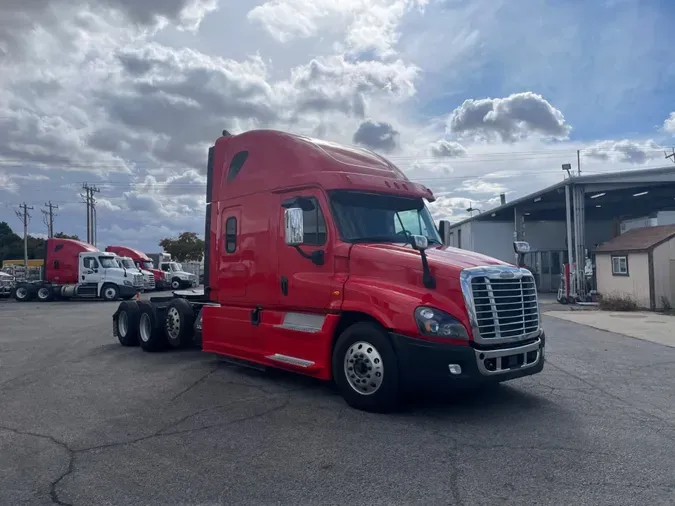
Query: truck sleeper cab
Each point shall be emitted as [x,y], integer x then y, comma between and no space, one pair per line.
[323,259]
[73,269]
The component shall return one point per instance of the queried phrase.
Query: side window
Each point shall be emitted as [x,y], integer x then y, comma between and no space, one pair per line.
[165,267]
[90,263]
[236,164]
[315,225]
[231,234]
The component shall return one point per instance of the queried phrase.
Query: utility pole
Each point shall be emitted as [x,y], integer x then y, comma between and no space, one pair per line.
[91,211]
[578,162]
[24,216]
[670,156]
[48,218]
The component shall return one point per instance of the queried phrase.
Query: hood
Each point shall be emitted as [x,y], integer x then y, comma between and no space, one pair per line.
[444,260]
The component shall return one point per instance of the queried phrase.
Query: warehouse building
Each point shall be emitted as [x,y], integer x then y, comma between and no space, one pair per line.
[569,220]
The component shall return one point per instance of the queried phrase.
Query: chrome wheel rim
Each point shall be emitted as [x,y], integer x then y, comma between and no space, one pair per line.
[175,285]
[363,368]
[43,293]
[145,326]
[21,293]
[173,323]
[109,293]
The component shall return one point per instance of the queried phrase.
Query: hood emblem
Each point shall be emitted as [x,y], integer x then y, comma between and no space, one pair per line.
[506,274]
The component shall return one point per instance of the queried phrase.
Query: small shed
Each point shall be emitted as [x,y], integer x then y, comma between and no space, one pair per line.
[639,263]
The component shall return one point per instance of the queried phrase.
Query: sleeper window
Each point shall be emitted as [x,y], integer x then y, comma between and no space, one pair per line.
[231,234]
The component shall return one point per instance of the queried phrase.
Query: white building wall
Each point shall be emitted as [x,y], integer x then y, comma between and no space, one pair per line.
[664,260]
[661,218]
[635,285]
[495,238]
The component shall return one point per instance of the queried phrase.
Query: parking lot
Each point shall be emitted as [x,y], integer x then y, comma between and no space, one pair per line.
[84,421]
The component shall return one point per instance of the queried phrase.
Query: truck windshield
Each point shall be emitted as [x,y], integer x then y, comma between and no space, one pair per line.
[108,262]
[175,267]
[128,263]
[147,264]
[375,217]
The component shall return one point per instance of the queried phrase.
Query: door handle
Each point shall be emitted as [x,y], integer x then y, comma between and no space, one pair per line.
[284,285]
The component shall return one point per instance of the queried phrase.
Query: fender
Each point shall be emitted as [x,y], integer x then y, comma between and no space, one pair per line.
[393,305]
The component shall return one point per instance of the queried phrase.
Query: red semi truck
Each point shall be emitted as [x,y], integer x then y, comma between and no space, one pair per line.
[77,270]
[143,262]
[323,259]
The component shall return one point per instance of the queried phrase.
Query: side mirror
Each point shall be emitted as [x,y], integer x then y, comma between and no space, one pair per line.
[294,226]
[420,242]
[444,231]
[521,247]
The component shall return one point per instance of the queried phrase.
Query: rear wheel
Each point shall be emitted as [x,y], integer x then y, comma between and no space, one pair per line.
[365,368]
[44,294]
[151,335]
[179,322]
[22,293]
[127,323]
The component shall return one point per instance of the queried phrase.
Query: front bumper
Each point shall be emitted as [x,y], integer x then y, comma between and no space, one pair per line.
[434,365]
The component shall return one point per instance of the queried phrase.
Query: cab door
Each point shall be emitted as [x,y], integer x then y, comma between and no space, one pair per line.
[90,270]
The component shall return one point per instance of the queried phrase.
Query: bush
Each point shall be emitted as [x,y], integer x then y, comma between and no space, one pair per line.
[618,302]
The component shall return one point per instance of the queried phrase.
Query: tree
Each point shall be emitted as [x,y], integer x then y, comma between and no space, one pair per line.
[11,245]
[188,247]
[62,235]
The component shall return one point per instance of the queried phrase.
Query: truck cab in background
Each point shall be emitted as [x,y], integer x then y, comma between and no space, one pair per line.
[144,263]
[174,274]
[74,269]
[128,264]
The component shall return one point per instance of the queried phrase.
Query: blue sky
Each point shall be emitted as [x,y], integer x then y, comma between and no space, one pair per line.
[472,97]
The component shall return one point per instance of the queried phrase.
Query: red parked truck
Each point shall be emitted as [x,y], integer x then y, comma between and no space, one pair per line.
[323,259]
[77,270]
[143,262]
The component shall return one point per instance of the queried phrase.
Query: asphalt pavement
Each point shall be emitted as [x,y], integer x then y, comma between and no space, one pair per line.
[84,421]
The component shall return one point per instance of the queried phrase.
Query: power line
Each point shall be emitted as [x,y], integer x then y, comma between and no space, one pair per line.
[24,216]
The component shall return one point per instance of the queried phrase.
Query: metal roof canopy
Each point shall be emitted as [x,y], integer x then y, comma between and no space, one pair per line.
[618,200]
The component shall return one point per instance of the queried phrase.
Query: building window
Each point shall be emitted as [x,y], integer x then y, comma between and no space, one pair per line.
[619,265]
[231,234]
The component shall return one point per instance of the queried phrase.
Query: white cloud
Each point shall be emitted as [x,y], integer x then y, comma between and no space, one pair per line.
[669,123]
[624,151]
[516,117]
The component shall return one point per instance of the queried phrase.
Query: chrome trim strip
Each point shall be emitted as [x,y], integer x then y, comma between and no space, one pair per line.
[518,350]
[496,272]
[290,360]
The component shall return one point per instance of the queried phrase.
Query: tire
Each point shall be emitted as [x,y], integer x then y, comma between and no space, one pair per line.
[126,323]
[151,335]
[23,293]
[563,300]
[366,345]
[175,284]
[110,292]
[44,293]
[179,323]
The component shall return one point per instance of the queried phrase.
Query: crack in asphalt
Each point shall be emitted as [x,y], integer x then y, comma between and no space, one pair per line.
[201,379]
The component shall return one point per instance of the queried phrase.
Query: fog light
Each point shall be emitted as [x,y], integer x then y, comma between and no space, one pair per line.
[455,369]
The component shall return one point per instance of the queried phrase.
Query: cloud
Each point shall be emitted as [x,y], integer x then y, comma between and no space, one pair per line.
[447,149]
[516,117]
[450,208]
[624,151]
[669,123]
[364,25]
[379,136]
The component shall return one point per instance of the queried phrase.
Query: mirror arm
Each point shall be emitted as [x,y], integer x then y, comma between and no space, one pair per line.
[427,278]
[302,253]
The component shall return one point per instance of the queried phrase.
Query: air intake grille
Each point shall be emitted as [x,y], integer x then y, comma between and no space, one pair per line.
[505,308]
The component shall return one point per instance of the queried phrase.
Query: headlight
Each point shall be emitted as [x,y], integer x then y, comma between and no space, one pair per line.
[436,323]
[127,283]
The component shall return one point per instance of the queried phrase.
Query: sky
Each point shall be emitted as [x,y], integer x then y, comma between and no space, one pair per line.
[472,98]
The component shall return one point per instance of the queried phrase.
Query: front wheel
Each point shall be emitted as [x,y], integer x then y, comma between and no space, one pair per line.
[365,368]
[175,284]
[110,292]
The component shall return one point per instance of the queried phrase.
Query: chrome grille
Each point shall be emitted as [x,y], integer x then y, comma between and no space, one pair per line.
[506,309]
